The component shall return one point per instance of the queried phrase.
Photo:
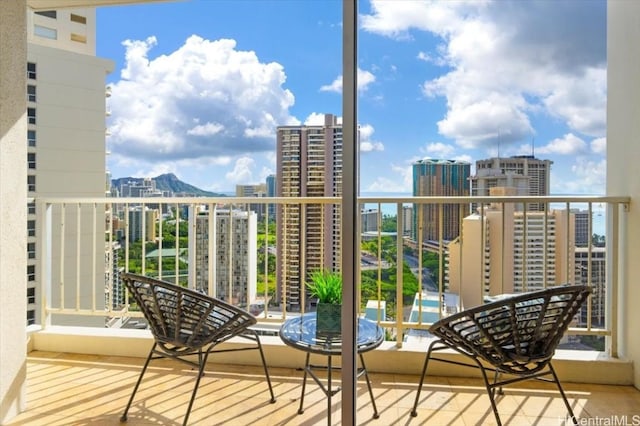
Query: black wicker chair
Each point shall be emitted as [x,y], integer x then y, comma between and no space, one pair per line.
[187,325]
[516,336]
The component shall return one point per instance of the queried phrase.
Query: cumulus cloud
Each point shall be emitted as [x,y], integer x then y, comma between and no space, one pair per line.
[242,171]
[367,144]
[569,144]
[206,100]
[507,61]
[365,78]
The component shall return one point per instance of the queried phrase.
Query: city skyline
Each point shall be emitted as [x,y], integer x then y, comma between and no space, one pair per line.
[199,87]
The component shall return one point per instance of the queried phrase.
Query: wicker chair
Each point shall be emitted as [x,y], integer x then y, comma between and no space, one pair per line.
[516,336]
[187,325]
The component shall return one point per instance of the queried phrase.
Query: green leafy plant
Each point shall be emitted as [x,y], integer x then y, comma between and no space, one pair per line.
[326,285]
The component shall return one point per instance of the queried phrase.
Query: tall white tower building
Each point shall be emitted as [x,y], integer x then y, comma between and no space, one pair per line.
[66,112]
[231,238]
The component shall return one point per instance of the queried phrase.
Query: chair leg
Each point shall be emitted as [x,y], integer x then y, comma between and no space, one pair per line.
[264,365]
[414,413]
[490,391]
[123,418]
[564,397]
[202,361]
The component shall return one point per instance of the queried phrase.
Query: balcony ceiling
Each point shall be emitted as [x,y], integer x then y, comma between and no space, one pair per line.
[60,4]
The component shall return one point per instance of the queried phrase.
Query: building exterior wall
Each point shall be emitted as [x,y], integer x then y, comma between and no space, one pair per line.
[524,173]
[66,145]
[440,178]
[235,253]
[623,151]
[523,253]
[13,211]
[369,220]
[309,164]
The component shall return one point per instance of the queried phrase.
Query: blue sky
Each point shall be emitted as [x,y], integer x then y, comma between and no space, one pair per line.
[200,86]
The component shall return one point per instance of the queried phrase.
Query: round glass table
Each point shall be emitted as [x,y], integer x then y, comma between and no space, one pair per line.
[300,333]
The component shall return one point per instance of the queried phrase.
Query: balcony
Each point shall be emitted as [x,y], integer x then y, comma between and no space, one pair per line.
[65,388]
[82,332]
[79,358]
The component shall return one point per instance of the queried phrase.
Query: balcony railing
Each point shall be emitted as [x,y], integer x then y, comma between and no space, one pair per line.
[256,253]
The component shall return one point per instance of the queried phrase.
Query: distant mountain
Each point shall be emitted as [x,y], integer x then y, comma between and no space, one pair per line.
[169,182]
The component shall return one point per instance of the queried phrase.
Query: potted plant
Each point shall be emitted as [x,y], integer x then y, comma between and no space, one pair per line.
[326,286]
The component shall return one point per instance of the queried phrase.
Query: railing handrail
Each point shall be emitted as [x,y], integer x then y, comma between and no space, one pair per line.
[614,199]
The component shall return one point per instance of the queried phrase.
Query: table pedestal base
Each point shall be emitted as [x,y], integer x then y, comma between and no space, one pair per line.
[328,390]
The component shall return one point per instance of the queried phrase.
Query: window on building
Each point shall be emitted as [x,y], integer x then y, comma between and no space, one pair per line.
[31,160]
[78,38]
[31,272]
[31,183]
[31,250]
[31,70]
[31,228]
[31,317]
[31,93]
[31,208]
[31,114]
[31,296]
[45,32]
[48,13]
[78,18]
[31,138]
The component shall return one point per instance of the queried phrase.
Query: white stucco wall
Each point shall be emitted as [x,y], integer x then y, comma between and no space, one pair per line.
[13,207]
[623,157]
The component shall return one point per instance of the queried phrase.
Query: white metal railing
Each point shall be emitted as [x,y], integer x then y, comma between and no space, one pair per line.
[84,243]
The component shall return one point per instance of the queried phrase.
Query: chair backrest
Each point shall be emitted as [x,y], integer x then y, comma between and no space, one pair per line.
[181,318]
[518,334]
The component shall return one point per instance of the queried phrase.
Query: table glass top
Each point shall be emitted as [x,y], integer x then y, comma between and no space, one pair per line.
[300,332]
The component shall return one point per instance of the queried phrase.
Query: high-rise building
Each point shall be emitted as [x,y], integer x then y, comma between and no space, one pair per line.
[509,251]
[142,224]
[369,220]
[271,192]
[407,221]
[525,173]
[235,246]
[439,178]
[253,191]
[582,227]
[309,164]
[66,153]
[597,258]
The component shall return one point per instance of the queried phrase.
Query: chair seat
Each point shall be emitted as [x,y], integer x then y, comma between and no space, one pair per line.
[517,334]
[185,322]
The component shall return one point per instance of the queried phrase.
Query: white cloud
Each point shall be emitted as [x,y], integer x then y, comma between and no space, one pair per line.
[438,149]
[586,177]
[507,60]
[205,100]
[367,144]
[314,119]
[242,171]
[403,181]
[365,78]
[599,145]
[569,144]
